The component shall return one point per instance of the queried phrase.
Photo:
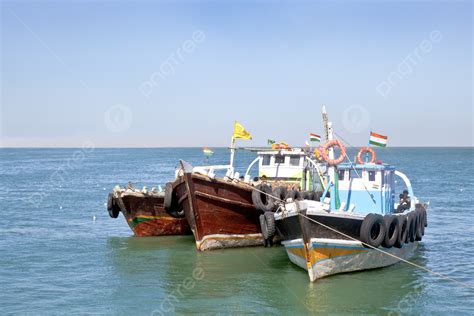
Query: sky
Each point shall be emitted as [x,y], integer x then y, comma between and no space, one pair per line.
[172,74]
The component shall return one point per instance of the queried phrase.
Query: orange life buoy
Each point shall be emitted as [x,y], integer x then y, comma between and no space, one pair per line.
[325,151]
[364,150]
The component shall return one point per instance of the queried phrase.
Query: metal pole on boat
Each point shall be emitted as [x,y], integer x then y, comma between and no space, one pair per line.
[232,153]
[331,169]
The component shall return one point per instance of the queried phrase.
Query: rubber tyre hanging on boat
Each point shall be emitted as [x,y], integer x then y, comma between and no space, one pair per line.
[267,226]
[316,195]
[279,193]
[112,207]
[262,199]
[305,195]
[373,230]
[393,231]
[168,201]
[110,201]
[425,217]
[420,226]
[293,194]
[412,224]
[403,231]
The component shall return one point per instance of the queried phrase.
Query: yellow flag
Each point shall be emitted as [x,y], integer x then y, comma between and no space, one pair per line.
[240,132]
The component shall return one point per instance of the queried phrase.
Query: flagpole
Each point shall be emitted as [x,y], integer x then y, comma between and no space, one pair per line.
[367,152]
[232,152]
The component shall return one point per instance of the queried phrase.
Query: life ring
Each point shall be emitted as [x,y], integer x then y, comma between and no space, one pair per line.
[364,150]
[373,230]
[330,144]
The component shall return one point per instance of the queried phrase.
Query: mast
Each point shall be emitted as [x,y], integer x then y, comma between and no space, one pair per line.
[331,169]
[325,121]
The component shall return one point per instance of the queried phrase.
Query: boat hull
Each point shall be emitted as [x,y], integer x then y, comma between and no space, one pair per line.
[331,256]
[328,243]
[221,213]
[146,217]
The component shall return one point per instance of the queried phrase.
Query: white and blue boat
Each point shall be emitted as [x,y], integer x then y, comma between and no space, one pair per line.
[357,224]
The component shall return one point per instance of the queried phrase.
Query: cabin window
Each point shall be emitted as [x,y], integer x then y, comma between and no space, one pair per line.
[266,160]
[279,159]
[354,174]
[294,160]
[371,175]
[340,174]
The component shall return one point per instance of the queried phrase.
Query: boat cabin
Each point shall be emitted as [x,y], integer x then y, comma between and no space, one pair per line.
[366,188]
[291,166]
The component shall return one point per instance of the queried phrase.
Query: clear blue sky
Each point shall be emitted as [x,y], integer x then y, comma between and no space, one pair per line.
[76,72]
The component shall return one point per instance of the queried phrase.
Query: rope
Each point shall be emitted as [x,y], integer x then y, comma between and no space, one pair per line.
[353,168]
[440,275]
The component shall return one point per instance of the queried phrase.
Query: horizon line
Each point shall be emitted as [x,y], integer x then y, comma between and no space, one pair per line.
[220,147]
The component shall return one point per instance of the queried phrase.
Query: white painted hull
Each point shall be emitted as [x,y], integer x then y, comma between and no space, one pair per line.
[220,241]
[331,256]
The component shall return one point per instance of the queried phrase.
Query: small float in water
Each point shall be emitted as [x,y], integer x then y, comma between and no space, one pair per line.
[145,212]
[359,226]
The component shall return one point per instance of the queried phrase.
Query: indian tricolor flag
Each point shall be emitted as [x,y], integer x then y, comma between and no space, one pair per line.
[377,139]
[314,137]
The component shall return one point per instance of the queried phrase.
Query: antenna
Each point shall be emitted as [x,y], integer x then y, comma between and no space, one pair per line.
[325,121]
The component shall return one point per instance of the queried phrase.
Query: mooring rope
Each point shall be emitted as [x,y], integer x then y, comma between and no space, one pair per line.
[440,275]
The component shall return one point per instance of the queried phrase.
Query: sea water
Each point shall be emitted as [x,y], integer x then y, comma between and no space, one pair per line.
[62,253]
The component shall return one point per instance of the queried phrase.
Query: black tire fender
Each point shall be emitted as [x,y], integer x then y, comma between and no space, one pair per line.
[403,231]
[316,195]
[293,194]
[412,225]
[267,226]
[168,201]
[262,199]
[110,201]
[420,225]
[279,193]
[393,231]
[373,230]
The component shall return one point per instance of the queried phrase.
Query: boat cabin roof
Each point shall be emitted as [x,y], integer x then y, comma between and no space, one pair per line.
[274,152]
[367,166]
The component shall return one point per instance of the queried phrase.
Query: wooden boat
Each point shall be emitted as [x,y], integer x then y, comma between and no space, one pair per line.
[145,214]
[226,212]
[359,227]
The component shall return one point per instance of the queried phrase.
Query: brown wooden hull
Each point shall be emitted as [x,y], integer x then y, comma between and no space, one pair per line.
[146,217]
[221,213]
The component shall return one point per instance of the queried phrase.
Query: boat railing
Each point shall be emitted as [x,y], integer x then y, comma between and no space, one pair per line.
[247,173]
[318,170]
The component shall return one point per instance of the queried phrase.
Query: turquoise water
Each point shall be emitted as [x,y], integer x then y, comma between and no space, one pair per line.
[56,259]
